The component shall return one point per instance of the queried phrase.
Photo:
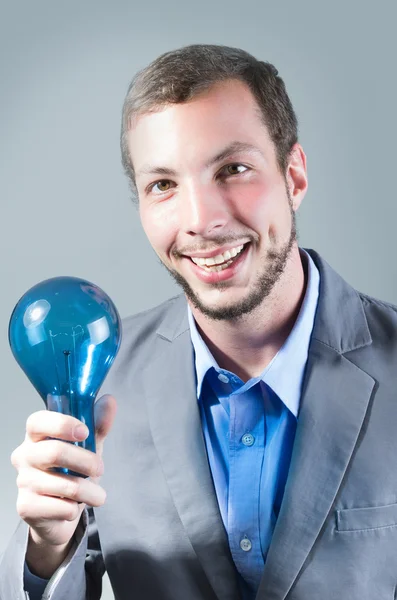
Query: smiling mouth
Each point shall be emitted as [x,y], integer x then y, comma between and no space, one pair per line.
[221,261]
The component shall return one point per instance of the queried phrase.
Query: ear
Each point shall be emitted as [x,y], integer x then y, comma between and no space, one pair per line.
[296,175]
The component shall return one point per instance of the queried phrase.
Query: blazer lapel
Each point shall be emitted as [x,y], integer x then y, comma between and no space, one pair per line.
[333,410]
[176,428]
[334,403]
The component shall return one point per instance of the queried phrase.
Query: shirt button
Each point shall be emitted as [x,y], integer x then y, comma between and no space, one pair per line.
[223,378]
[248,439]
[245,544]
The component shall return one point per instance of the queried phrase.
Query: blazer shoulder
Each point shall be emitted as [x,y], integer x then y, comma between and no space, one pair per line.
[381,317]
[140,343]
[375,303]
[149,318]
[139,331]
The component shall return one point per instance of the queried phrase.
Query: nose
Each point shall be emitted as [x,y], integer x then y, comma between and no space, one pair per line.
[202,210]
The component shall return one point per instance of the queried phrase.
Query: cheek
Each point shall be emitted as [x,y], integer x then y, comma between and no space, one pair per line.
[159,226]
[263,206]
[258,203]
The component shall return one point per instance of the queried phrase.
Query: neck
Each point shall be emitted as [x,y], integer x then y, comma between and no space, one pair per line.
[247,345]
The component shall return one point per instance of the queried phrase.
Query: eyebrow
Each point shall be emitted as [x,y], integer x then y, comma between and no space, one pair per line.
[233,148]
[227,152]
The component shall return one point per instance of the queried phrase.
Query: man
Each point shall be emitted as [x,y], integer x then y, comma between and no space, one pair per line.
[251,455]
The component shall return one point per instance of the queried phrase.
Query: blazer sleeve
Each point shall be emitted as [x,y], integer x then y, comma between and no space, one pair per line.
[79,577]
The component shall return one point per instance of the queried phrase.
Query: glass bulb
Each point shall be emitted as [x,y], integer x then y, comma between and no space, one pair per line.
[65,333]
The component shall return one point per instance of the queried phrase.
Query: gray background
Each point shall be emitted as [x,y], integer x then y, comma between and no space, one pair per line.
[65,206]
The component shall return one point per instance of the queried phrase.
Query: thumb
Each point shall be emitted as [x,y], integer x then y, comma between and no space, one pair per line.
[104,412]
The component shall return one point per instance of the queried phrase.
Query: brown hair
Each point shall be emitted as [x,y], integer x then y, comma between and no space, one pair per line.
[180,75]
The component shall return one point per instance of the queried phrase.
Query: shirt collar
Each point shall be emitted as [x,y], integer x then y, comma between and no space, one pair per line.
[285,372]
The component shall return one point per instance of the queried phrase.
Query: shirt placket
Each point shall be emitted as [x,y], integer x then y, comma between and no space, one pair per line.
[246,449]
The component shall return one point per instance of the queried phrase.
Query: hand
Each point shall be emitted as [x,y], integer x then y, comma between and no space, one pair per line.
[52,503]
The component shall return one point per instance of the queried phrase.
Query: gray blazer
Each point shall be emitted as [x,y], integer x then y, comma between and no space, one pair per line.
[160,535]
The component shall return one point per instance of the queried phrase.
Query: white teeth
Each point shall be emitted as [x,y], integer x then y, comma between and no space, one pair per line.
[220,267]
[220,261]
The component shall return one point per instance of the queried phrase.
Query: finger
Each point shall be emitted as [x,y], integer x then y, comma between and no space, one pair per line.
[61,486]
[47,423]
[53,453]
[105,409]
[35,509]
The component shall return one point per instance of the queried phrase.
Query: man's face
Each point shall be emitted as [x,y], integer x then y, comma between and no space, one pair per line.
[210,191]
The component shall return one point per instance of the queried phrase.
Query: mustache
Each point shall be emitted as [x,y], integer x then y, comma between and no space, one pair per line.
[212,244]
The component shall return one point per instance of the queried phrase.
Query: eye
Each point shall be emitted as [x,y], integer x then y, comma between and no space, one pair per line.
[164,185]
[233,169]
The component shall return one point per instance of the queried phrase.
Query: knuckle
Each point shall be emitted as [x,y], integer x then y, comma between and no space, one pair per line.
[31,421]
[27,480]
[71,490]
[15,457]
[23,507]
[21,479]
[54,454]
[71,512]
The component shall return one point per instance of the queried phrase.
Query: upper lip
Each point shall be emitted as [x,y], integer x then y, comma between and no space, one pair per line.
[212,253]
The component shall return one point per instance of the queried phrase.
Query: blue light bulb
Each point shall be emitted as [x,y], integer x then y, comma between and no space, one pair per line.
[65,333]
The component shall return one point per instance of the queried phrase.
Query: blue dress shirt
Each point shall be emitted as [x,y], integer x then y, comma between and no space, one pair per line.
[249,430]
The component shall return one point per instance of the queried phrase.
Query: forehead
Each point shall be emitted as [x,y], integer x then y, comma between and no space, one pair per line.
[191,131]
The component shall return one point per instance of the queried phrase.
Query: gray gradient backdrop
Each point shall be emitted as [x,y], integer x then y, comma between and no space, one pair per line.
[65,207]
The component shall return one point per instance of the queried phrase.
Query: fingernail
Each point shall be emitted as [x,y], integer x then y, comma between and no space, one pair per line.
[80,432]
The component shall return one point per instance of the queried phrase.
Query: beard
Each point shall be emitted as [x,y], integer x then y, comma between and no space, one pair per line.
[272,267]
